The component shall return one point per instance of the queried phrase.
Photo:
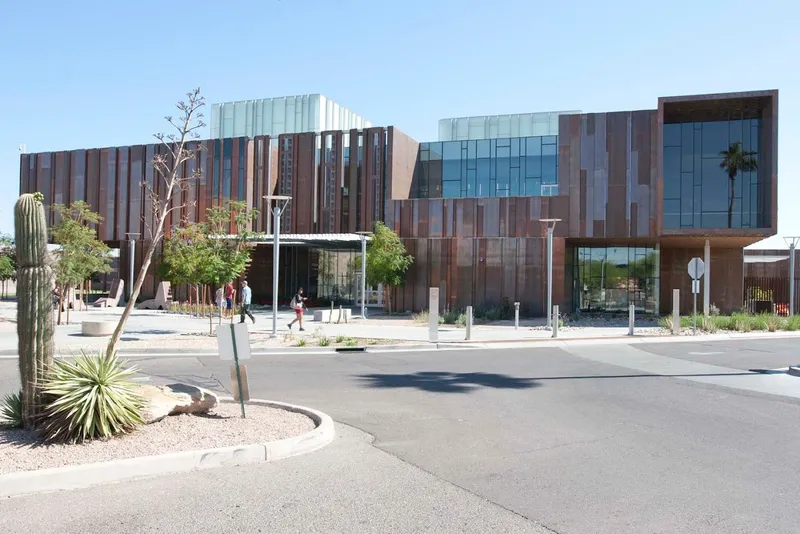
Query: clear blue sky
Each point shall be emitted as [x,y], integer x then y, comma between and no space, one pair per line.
[98,73]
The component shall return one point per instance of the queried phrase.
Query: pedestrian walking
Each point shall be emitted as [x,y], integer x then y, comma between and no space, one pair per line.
[229,300]
[297,304]
[219,300]
[246,298]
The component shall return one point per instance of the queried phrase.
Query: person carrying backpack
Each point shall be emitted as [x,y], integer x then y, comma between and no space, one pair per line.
[297,304]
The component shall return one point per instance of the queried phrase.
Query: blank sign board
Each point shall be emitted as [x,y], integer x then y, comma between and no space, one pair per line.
[227,334]
[696,268]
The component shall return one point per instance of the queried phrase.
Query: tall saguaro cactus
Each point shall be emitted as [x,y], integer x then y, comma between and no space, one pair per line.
[34,301]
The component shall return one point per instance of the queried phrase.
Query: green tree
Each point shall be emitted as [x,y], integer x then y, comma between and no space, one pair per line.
[80,254]
[8,262]
[230,253]
[736,160]
[187,257]
[387,260]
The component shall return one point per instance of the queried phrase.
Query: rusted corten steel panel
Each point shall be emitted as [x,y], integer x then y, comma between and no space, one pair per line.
[607,171]
[727,286]
[93,178]
[401,161]
[103,193]
[353,182]
[481,272]
[303,193]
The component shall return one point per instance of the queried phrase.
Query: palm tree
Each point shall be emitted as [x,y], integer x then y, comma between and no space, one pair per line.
[734,161]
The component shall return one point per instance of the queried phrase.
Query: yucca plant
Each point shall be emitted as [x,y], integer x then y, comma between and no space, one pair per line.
[11,411]
[89,397]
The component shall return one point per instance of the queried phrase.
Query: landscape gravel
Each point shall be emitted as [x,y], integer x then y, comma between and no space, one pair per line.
[20,450]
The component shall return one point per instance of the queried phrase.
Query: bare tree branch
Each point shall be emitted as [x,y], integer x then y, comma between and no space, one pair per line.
[170,171]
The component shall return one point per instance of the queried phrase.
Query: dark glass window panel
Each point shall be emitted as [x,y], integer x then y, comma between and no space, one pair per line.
[451,170]
[483,148]
[451,189]
[451,150]
[435,151]
[549,140]
[533,146]
[610,279]
[715,138]
[672,135]
[549,169]
[471,150]
[515,147]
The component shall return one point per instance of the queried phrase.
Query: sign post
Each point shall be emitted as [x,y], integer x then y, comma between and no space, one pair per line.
[696,269]
[234,344]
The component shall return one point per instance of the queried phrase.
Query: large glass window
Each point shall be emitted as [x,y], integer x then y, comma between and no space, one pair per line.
[697,192]
[609,279]
[504,167]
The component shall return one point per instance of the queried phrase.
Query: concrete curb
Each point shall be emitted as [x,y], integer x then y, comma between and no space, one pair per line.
[86,475]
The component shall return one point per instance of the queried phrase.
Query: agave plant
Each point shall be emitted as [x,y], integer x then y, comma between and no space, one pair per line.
[11,411]
[89,397]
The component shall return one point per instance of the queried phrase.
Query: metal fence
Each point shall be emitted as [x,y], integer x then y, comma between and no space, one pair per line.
[769,294]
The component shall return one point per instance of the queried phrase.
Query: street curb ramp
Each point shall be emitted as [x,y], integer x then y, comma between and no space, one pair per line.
[86,475]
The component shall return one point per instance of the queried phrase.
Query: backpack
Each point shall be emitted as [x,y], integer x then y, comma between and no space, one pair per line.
[294,304]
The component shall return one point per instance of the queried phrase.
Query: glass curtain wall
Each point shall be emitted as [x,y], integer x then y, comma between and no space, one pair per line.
[609,279]
[506,167]
[697,191]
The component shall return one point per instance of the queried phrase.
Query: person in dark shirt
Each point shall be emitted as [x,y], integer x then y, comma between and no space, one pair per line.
[297,304]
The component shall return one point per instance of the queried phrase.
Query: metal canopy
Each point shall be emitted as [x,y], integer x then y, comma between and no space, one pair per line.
[308,240]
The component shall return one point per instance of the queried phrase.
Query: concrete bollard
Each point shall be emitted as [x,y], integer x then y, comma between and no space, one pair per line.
[676,311]
[469,322]
[433,315]
[555,321]
[631,318]
[516,316]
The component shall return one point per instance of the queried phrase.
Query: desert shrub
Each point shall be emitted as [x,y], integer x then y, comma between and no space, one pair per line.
[713,310]
[11,411]
[707,324]
[792,323]
[665,322]
[323,342]
[340,339]
[461,320]
[421,317]
[301,342]
[350,342]
[450,316]
[89,397]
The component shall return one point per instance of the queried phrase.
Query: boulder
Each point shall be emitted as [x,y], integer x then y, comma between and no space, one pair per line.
[174,399]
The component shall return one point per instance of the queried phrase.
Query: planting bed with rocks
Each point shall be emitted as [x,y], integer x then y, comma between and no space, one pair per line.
[222,426]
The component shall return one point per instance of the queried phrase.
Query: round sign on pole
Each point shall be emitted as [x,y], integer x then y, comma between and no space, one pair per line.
[696,268]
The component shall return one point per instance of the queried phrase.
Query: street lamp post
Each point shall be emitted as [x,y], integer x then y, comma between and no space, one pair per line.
[551,226]
[132,249]
[276,240]
[792,242]
[364,273]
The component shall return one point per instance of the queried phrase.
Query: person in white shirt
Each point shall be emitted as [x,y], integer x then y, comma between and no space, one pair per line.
[246,299]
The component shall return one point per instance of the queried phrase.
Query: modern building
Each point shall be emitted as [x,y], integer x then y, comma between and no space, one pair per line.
[637,195]
[282,115]
[501,126]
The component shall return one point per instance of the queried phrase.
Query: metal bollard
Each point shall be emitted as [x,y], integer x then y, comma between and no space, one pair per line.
[516,316]
[631,318]
[555,321]
[676,311]
[469,323]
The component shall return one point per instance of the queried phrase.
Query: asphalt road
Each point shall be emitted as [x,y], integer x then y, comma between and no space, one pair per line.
[482,441]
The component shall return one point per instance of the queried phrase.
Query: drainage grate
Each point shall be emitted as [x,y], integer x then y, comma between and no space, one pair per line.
[351,349]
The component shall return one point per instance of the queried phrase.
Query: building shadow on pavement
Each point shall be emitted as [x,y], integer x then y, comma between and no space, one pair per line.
[446,382]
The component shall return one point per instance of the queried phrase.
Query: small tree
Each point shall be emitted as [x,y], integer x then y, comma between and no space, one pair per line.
[80,254]
[169,169]
[734,161]
[387,260]
[229,254]
[186,257]
[8,262]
